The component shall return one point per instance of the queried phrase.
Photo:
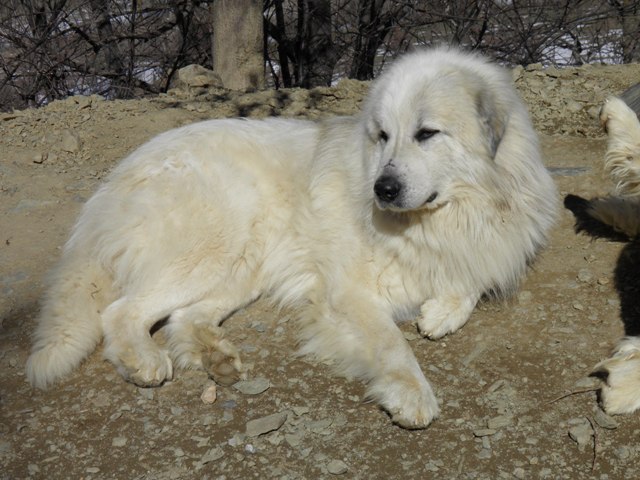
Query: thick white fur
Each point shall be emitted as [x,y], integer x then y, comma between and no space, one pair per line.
[622,160]
[202,220]
[620,391]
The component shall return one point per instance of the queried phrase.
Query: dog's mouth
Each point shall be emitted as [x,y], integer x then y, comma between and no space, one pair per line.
[430,205]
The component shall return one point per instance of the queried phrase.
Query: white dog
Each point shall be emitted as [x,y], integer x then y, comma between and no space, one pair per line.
[618,218]
[433,196]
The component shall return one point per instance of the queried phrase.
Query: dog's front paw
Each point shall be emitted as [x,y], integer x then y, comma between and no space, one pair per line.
[144,367]
[620,391]
[440,317]
[410,401]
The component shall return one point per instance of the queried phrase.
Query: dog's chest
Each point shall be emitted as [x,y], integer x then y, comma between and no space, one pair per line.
[402,280]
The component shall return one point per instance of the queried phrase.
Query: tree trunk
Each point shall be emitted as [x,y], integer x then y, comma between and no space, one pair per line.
[316,54]
[114,65]
[373,28]
[629,11]
[238,43]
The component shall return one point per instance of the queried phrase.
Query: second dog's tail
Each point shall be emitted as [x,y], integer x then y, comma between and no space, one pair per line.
[69,326]
[614,218]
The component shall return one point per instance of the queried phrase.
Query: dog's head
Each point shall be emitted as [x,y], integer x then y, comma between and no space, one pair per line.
[435,126]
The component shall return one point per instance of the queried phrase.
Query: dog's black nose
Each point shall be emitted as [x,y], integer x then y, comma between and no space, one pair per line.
[387,188]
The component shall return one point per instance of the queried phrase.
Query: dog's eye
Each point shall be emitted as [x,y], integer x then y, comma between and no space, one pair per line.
[425,134]
[382,136]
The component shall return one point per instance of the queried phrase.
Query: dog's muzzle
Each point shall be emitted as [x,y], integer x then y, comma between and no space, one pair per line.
[387,188]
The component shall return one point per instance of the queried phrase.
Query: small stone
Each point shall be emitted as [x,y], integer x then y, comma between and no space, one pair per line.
[39,157]
[70,142]
[299,411]
[604,420]
[483,432]
[119,441]
[498,384]
[208,420]
[337,467]
[519,472]
[237,439]
[293,439]
[581,434]
[525,296]
[499,422]
[260,426]
[484,454]
[178,452]
[209,395]
[319,426]
[252,387]
[275,439]
[82,101]
[259,327]
[229,404]
[431,467]
[585,276]
[486,443]
[578,306]
[92,470]
[622,452]
[212,455]
[411,336]
[574,106]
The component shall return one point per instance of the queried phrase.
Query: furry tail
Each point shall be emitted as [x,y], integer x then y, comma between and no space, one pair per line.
[614,218]
[69,326]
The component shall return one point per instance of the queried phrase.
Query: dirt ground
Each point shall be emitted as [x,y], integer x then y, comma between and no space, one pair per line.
[500,379]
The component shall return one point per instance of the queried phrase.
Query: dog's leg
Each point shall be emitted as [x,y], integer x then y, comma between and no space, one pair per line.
[620,391]
[129,346]
[356,332]
[196,340]
[445,314]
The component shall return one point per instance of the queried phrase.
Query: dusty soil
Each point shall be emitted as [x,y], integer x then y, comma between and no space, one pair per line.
[499,378]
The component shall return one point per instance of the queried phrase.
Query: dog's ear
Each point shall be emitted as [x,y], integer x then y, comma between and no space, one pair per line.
[492,120]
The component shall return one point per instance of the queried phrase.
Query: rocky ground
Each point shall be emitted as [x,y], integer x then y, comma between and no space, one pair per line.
[516,397]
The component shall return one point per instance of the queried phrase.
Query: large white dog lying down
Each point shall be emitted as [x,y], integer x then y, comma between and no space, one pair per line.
[433,196]
[618,217]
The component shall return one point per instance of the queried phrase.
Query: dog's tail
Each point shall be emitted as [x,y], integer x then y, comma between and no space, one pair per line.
[614,218]
[69,326]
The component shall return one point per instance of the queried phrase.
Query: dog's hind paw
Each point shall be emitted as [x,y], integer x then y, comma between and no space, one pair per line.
[148,369]
[620,391]
[220,357]
[224,367]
